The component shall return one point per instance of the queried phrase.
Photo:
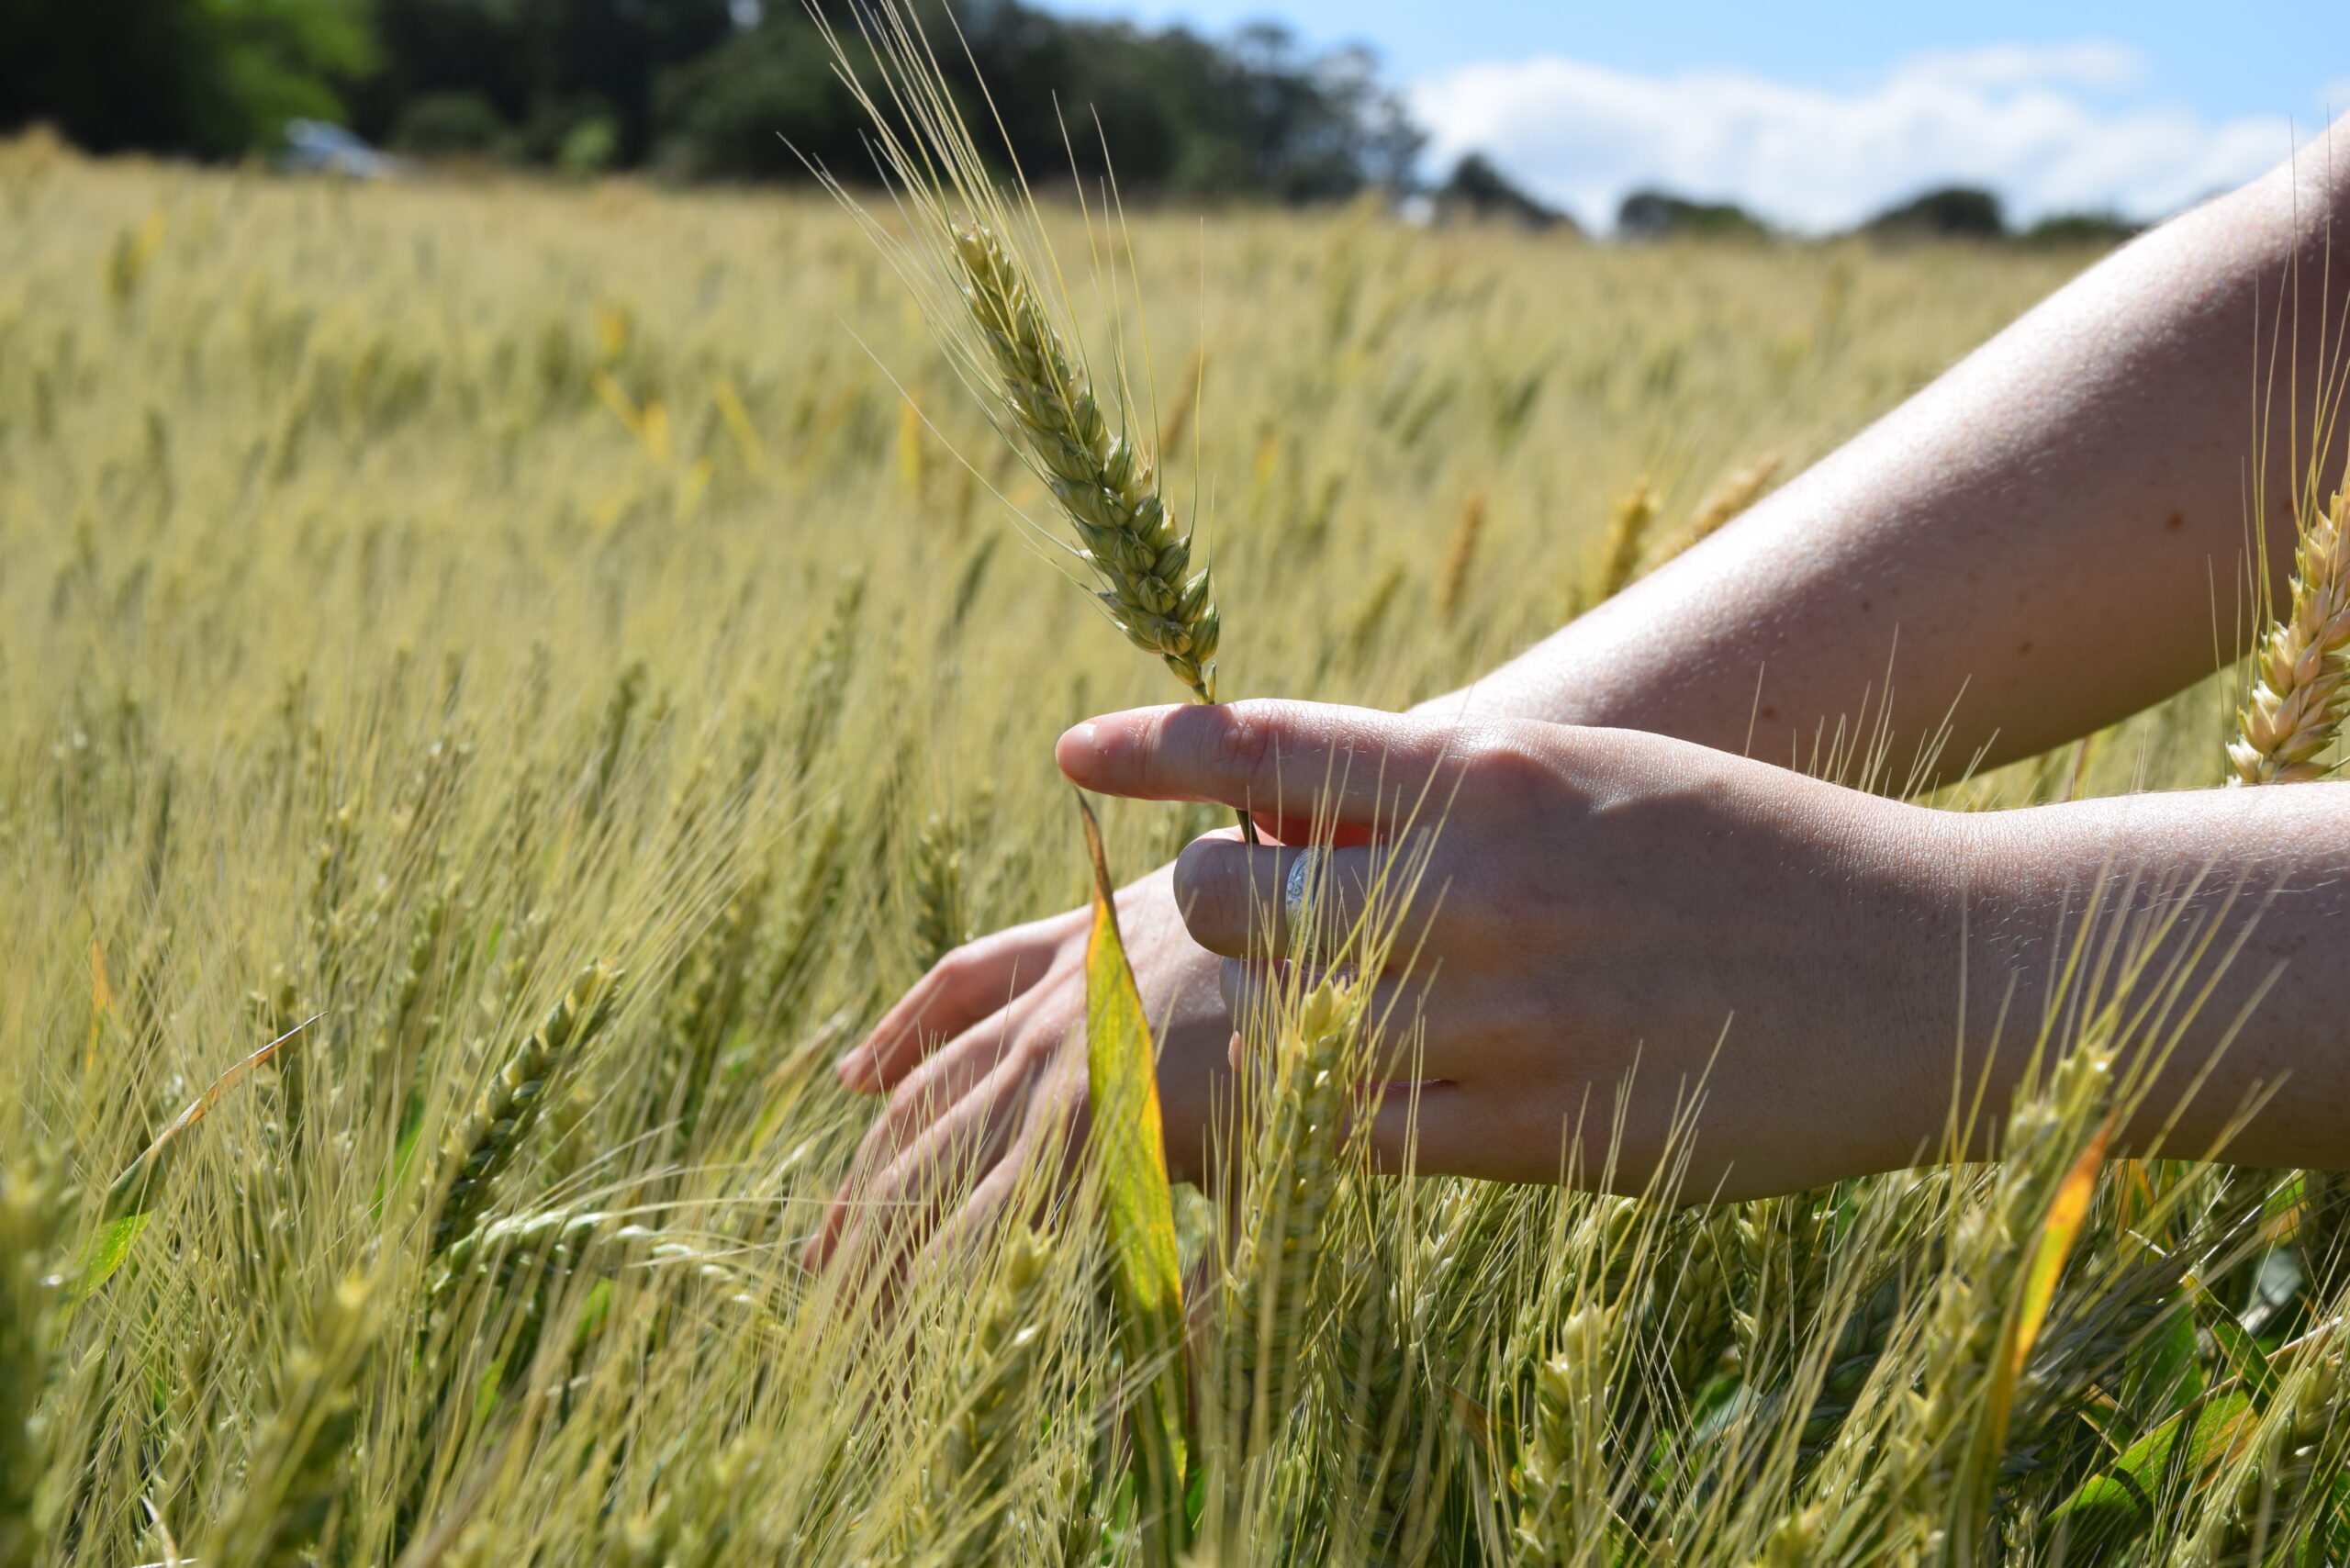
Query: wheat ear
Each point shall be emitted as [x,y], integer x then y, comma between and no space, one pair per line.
[485,1143]
[1629,517]
[1296,1178]
[1462,553]
[981,1451]
[2304,686]
[1721,506]
[29,1296]
[303,1458]
[1105,483]
[1561,1478]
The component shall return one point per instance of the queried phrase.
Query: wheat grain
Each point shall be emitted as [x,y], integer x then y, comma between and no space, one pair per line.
[2302,684]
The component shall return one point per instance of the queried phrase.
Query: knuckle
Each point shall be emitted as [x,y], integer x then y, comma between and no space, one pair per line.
[1240,743]
[1504,767]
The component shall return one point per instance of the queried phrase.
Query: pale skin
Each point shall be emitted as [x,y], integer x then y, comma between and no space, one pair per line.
[1635,891]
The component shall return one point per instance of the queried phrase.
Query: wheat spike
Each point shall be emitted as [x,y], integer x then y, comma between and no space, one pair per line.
[1461,554]
[1562,1479]
[1722,505]
[1295,1163]
[2303,670]
[1105,483]
[1629,517]
[303,1458]
[485,1143]
[981,1451]
[937,892]
[29,1295]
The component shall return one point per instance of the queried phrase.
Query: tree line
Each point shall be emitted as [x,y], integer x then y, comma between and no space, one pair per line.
[726,89]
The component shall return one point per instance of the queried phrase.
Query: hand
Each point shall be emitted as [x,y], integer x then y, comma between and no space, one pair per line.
[984,1059]
[1602,912]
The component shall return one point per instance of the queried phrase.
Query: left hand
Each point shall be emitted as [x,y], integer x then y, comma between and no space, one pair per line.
[1762,959]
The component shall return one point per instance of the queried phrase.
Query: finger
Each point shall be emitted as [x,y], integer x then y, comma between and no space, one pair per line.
[961,990]
[940,1083]
[1245,900]
[1042,1160]
[1295,761]
[1274,829]
[894,1213]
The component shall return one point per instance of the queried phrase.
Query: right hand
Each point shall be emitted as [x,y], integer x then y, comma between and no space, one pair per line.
[985,1058]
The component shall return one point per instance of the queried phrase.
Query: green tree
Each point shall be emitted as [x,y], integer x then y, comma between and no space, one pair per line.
[547,69]
[215,78]
[1177,112]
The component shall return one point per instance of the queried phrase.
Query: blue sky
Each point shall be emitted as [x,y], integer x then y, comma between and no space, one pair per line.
[1815,112]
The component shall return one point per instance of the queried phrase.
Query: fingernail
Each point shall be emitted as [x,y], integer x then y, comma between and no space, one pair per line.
[850,1068]
[1076,750]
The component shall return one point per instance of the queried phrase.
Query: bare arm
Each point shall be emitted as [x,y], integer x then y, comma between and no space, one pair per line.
[2048,531]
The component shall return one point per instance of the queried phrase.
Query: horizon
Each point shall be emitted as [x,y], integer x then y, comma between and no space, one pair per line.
[1817,115]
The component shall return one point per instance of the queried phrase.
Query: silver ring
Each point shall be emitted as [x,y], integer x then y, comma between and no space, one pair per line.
[1300,888]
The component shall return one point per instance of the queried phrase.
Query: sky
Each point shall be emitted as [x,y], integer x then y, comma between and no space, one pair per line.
[1816,115]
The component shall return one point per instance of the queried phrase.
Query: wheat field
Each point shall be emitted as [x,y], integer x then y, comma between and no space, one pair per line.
[570,655]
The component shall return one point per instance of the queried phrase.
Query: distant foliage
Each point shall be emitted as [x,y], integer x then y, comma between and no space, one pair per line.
[209,77]
[1477,188]
[543,68]
[684,87]
[1954,212]
[1659,214]
[1179,113]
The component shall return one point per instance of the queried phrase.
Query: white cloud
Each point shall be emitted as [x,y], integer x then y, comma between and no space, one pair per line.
[2037,125]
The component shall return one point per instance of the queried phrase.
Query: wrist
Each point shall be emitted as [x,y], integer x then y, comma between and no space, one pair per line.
[1931,987]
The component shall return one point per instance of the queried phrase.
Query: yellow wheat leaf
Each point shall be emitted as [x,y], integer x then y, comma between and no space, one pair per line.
[2067,1213]
[1122,1071]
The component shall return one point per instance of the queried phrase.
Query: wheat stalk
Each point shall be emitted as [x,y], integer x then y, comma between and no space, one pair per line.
[2303,685]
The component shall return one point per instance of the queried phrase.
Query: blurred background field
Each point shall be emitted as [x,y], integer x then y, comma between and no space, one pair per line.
[411,594]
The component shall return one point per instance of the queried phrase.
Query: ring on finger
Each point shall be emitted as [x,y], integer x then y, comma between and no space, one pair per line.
[1297,893]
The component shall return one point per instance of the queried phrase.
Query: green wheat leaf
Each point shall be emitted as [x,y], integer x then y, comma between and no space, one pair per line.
[1123,1072]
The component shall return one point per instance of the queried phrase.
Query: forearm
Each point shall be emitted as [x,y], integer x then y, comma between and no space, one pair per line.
[2050,537]
[2220,921]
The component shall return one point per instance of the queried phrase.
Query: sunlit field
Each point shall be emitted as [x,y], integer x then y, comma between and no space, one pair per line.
[571,652]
